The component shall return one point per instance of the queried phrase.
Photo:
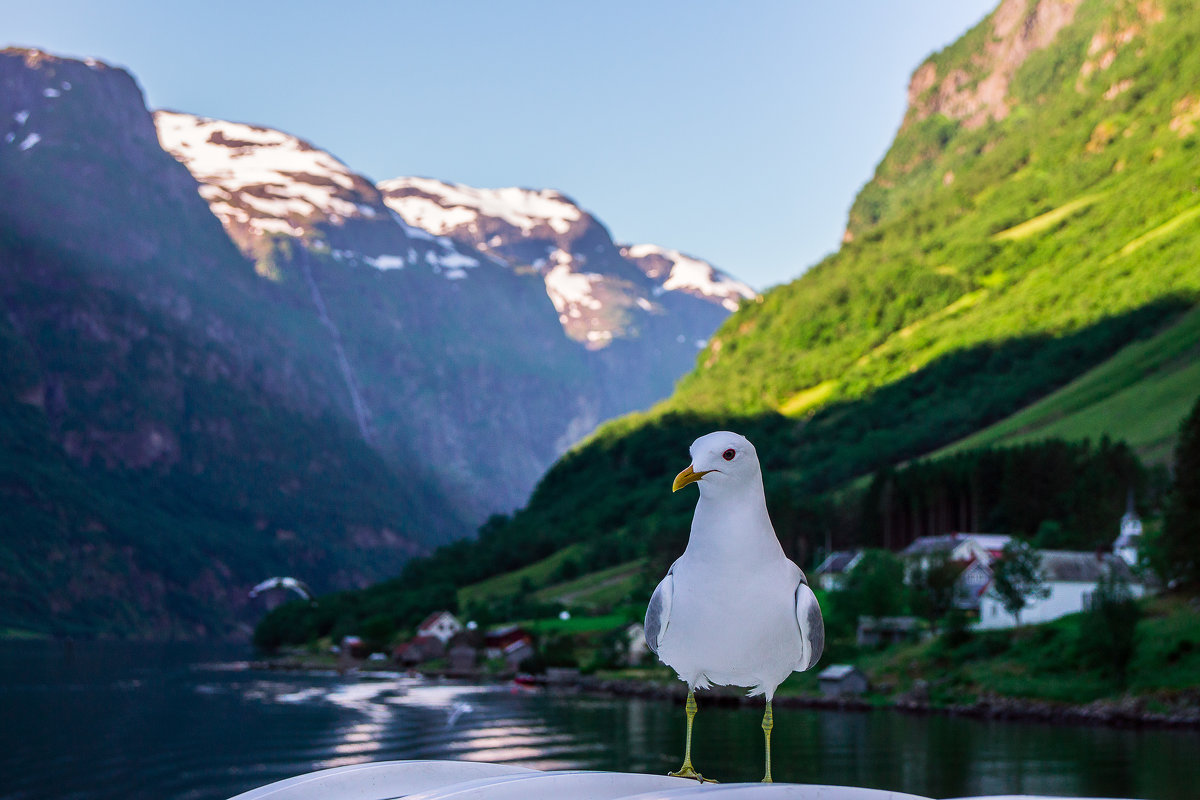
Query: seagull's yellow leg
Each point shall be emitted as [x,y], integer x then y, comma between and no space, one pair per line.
[768,724]
[687,770]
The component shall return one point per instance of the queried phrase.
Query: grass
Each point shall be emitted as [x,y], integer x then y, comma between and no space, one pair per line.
[600,589]
[1044,222]
[807,399]
[1168,656]
[1141,395]
[1043,662]
[538,574]
[1167,228]
[577,624]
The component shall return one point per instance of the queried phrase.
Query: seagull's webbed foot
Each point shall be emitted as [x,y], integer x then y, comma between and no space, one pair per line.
[687,770]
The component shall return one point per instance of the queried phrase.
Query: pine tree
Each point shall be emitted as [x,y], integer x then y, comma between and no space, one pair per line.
[1178,548]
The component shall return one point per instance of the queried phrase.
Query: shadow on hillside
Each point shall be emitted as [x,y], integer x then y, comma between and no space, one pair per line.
[804,459]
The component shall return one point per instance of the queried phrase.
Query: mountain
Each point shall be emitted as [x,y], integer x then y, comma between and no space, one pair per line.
[227,356]
[457,353]
[600,290]
[162,446]
[1032,234]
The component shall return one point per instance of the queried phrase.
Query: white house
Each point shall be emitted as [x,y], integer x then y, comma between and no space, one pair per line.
[974,551]
[1071,578]
[831,573]
[961,547]
[636,650]
[441,625]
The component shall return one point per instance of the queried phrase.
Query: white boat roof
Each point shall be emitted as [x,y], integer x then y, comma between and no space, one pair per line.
[471,780]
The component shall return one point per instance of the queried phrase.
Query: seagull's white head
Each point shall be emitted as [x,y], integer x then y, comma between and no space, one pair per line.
[721,461]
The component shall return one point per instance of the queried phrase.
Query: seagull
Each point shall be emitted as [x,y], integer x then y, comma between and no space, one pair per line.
[297,586]
[733,610]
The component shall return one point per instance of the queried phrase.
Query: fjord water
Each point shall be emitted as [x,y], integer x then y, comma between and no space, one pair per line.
[102,720]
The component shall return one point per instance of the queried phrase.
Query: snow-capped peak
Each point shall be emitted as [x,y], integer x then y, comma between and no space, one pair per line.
[261,178]
[442,208]
[675,271]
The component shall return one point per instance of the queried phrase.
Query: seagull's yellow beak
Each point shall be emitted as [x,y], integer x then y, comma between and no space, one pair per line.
[689,475]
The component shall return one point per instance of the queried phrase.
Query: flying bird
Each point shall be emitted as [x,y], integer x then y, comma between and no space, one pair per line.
[733,610]
[297,586]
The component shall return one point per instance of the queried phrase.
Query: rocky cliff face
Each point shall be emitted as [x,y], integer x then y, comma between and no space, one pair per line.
[978,91]
[970,85]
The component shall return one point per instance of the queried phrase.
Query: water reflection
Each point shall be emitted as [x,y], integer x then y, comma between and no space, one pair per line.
[109,724]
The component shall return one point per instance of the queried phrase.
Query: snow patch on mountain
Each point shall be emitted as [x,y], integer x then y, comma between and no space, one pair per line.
[275,174]
[675,271]
[263,183]
[442,208]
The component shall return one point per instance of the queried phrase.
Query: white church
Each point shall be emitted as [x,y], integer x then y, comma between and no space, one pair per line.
[1071,578]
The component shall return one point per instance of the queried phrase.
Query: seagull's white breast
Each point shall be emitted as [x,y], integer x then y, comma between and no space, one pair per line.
[733,624]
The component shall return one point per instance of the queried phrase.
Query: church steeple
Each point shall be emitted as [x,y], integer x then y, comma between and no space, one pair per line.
[1130,539]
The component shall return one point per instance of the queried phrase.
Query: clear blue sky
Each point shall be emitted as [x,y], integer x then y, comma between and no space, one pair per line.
[738,132]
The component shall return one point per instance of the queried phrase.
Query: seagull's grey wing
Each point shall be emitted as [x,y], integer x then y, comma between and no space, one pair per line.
[658,613]
[269,583]
[811,624]
[298,586]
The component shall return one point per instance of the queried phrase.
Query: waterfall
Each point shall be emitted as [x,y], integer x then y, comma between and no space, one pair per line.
[360,408]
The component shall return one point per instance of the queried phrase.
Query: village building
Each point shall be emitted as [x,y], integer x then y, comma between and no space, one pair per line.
[418,650]
[974,553]
[462,659]
[831,573]
[442,625]
[636,650]
[873,631]
[512,643]
[842,680]
[964,548]
[354,647]
[1071,578]
[1129,541]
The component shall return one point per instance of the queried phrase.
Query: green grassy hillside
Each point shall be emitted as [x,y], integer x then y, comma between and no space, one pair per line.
[1079,205]
[1140,395]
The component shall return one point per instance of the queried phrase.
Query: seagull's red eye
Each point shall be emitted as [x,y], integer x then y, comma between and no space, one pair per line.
[728,454]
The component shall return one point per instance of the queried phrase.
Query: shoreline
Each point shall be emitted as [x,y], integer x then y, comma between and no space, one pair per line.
[1126,712]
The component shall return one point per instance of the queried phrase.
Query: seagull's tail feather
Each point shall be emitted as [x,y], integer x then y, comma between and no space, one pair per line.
[812,627]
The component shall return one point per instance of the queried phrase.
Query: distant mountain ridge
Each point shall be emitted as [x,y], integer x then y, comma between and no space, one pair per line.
[295,208]
[245,328]
[587,276]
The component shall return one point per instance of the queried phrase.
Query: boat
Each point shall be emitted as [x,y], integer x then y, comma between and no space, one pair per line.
[474,780]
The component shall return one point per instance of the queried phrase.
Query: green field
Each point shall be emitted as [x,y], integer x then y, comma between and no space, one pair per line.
[536,574]
[1140,396]
[597,590]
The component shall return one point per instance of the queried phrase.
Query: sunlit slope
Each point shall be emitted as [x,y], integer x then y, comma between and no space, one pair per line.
[1080,204]
[1140,395]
